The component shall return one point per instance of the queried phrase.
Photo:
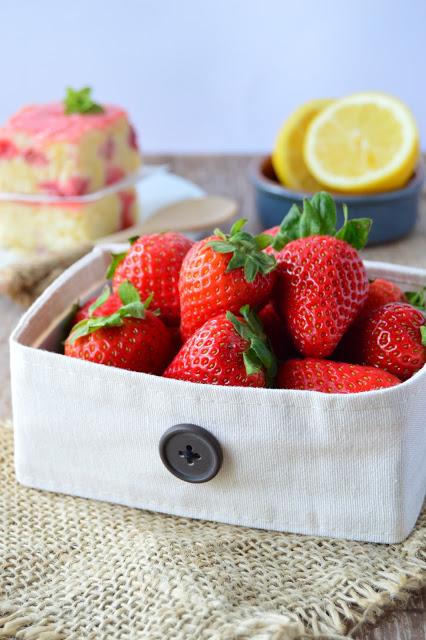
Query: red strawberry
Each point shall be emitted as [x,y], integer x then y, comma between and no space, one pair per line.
[314,374]
[130,338]
[152,265]
[111,304]
[393,337]
[322,280]
[226,350]
[275,329]
[380,292]
[222,273]
[323,285]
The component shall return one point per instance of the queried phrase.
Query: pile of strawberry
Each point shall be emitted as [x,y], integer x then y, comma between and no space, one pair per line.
[290,308]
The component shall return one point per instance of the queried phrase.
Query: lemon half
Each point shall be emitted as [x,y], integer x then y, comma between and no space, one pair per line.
[367,142]
[287,158]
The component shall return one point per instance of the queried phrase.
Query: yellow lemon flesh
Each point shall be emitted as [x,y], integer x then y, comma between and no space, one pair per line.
[287,158]
[364,143]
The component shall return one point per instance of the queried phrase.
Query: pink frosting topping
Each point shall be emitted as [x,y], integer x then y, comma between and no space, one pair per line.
[48,122]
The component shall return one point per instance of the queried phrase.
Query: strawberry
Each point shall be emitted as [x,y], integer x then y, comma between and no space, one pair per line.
[393,337]
[110,302]
[314,374]
[322,280]
[223,272]
[226,350]
[275,329]
[152,265]
[130,338]
[380,292]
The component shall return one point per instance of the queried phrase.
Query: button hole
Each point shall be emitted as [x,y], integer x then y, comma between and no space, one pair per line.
[189,455]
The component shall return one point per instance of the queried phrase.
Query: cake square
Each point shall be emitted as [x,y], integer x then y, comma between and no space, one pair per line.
[66,149]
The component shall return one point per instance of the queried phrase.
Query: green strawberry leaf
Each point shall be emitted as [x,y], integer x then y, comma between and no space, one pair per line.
[289,228]
[326,207]
[251,362]
[128,293]
[133,239]
[221,247]
[132,307]
[319,217]
[258,356]
[80,101]
[116,259]
[417,298]
[354,232]
[237,226]
[106,292]
[263,240]
[310,221]
[423,333]
[247,250]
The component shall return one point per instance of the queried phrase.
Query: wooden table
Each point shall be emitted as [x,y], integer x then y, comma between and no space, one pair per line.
[228,175]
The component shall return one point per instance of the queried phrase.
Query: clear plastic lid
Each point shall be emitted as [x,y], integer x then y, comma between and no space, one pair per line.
[126,183]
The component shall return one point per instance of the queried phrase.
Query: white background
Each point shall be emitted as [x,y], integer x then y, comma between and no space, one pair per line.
[211,75]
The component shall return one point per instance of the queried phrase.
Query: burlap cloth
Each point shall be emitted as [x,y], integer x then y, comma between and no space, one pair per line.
[79,569]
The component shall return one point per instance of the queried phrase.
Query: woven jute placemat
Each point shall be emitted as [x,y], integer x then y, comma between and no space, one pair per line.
[78,569]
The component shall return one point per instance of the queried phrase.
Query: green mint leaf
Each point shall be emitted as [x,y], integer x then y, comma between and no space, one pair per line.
[417,298]
[423,334]
[80,101]
[106,292]
[116,259]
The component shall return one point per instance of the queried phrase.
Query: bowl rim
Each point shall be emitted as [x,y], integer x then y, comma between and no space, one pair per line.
[274,188]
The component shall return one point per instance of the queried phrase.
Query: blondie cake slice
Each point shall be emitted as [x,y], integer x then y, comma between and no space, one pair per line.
[66,149]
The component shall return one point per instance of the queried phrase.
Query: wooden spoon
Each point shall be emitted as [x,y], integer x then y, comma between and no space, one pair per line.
[24,281]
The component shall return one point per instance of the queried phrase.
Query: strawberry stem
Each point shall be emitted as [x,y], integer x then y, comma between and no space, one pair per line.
[116,259]
[132,307]
[258,356]
[423,334]
[247,250]
[319,217]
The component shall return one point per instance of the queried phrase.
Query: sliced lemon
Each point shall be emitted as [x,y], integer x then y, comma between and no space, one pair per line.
[287,158]
[364,143]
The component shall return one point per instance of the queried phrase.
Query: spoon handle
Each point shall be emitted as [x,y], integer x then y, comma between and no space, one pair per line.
[193,214]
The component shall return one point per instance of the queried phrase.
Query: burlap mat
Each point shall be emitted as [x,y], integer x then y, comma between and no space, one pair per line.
[78,569]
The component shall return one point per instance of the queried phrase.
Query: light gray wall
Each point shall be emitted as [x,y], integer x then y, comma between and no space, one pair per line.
[211,75]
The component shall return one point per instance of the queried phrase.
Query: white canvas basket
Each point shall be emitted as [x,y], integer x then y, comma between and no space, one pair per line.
[349,466]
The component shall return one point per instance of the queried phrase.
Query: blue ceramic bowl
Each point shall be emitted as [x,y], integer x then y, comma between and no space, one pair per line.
[394,213]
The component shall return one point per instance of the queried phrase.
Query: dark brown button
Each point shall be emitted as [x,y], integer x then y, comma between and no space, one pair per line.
[191,453]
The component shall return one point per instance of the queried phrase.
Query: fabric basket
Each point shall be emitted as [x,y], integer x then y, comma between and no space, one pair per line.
[345,466]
